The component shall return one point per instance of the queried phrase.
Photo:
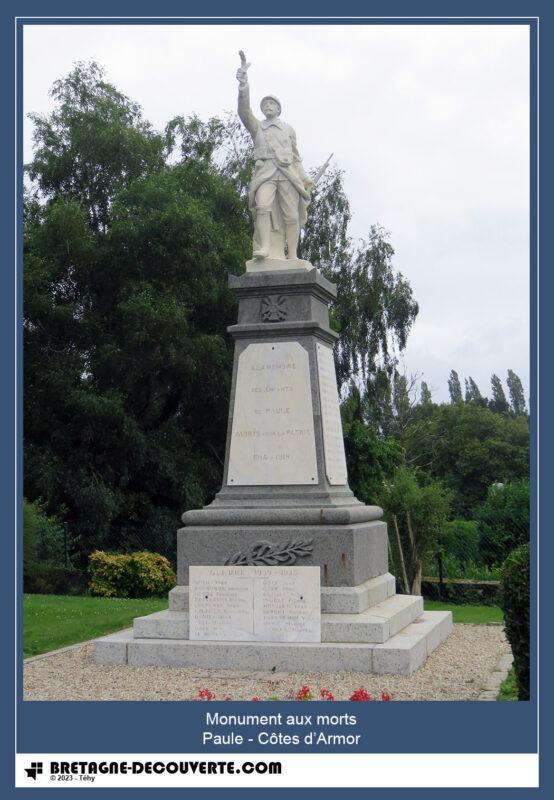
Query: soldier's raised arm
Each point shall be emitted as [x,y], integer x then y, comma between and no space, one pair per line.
[245,112]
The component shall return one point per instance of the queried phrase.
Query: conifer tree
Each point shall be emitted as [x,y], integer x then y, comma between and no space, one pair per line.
[454,387]
[517,396]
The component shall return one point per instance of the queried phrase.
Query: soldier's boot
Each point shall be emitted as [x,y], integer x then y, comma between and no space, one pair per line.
[263,231]
[292,234]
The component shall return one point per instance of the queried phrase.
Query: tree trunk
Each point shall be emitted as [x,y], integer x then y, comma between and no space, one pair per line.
[416,583]
[412,537]
[401,556]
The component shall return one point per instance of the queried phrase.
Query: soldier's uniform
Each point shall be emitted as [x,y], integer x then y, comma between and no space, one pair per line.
[278,175]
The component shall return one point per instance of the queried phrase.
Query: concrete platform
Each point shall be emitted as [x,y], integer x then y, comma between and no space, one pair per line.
[401,654]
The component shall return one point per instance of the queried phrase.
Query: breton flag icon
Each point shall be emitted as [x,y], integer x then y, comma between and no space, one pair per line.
[34,770]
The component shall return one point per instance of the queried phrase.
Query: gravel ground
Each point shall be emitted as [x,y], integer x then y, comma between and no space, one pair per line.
[457,670]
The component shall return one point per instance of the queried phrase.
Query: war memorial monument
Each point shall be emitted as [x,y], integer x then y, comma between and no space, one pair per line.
[285,570]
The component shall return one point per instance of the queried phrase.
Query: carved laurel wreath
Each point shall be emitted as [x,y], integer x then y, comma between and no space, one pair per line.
[268,553]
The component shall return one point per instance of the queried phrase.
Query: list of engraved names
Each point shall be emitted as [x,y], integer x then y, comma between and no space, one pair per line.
[255,604]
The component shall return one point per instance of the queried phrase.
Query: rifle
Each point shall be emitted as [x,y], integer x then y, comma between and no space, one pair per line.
[322,169]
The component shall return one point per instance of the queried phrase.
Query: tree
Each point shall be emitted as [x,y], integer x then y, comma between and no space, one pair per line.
[454,387]
[416,515]
[498,402]
[517,396]
[375,308]
[473,395]
[370,458]
[43,541]
[425,396]
[92,145]
[127,364]
[469,448]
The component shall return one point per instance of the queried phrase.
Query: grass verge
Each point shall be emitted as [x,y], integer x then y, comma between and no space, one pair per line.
[475,615]
[53,621]
[508,687]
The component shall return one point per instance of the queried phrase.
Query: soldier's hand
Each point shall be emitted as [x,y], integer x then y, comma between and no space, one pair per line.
[242,75]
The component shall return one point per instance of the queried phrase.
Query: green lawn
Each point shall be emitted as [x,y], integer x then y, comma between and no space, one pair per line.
[477,615]
[53,621]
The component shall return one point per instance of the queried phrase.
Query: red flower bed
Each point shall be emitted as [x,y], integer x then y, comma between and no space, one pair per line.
[302,695]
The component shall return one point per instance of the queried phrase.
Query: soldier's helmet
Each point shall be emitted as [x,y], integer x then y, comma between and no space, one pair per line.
[270,97]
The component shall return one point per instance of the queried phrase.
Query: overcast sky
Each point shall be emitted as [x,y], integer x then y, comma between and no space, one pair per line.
[429,123]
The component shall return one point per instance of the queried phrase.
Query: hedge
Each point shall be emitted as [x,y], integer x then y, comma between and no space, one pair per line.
[515,602]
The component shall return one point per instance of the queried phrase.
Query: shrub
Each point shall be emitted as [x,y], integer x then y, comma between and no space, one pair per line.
[43,540]
[503,521]
[460,540]
[140,574]
[515,602]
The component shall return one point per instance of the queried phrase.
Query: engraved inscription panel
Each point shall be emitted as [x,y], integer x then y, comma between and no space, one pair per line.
[255,604]
[272,436]
[333,442]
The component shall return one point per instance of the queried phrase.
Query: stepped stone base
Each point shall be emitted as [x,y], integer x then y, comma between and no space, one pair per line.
[364,628]
[400,654]
[376,624]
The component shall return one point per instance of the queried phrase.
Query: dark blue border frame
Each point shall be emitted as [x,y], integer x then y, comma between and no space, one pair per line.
[449,727]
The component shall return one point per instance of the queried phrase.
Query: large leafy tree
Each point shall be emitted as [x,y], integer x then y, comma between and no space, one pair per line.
[126,303]
[469,448]
[92,145]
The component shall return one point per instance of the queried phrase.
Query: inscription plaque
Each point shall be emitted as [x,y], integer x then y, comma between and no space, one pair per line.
[255,604]
[272,435]
[333,441]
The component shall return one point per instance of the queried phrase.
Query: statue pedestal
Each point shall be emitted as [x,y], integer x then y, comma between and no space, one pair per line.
[285,491]
[277,265]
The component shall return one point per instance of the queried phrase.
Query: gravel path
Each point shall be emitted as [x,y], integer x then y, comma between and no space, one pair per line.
[457,670]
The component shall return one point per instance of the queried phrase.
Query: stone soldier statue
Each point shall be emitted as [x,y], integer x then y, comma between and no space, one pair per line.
[279,193]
